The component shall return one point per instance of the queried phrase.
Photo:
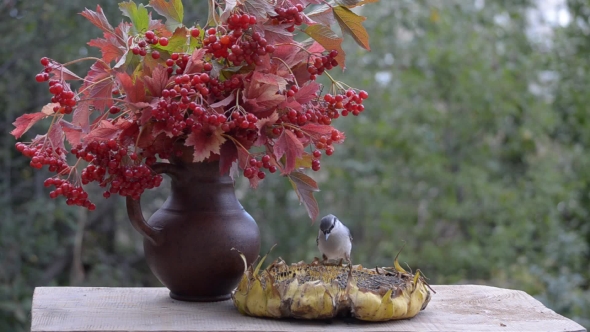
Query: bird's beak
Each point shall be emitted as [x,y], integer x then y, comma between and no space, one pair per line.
[327,236]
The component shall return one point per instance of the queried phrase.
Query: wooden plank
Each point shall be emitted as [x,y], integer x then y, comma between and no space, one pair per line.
[453,308]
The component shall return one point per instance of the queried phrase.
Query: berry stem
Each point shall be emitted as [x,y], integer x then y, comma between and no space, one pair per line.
[289,69]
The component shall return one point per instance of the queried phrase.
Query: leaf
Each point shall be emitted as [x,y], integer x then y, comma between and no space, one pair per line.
[205,142]
[364,2]
[351,24]
[129,132]
[108,47]
[177,42]
[195,62]
[24,122]
[81,115]
[263,125]
[304,161]
[275,80]
[139,15]
[103,132]
[262,9]
[316,130]
[307,92]
[98,18]
[73,133]
[172,10]
[262,96]
[157,82]
[55,135]
[348,3]
[98,85]
[229,6]
[288,145]
[323,15]
[228,153]
[224,102]
[304,187]
[135,91]
[328,39]
[62,73]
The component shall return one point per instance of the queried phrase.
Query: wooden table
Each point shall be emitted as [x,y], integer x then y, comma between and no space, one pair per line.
[452,308]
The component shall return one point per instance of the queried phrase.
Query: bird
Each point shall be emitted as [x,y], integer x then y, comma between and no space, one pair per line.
[334,240]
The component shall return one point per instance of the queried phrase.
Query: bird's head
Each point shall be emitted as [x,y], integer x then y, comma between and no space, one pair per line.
[327,224]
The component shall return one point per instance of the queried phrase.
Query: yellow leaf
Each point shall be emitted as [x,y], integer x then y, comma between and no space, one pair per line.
[351,24]
[328,39]
[434,15]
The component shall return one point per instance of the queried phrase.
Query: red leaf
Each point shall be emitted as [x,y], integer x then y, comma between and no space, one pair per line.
[316,130]
[288,145]
[135,91]
[56,136]
[129,133]
[81,115]
[262,125]
[262,96]
[73,133]
[108,47]
[262,78]
[98,85]
[25,122]
[103,132]
[259,8]
[307,93]
[305,187]
[205,142]
[224,102]
[62,73]
[228,153]
[290,54]
[97,18]
[157,82]
[195,62]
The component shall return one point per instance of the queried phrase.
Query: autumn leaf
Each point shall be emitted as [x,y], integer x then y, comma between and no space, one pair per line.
[224,102]
[177,42]
[55,135]
[62,73]
[108,47]
[328,39]
[229,7]
[304,161]
[139,15]
[351,24]
[98,85]
[81,115]
[262,9]
[135,91]
[307,92]
[24,122]
[262,96]
[195,62]
[288,145]
[264,124]
[73,133]
[205,142]
[323,15]
[157,82]
[228,153]
[172,10]
[304,187]
[103,132]
[98,18]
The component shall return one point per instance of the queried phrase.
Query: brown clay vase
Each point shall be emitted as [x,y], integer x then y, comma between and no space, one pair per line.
[188,241]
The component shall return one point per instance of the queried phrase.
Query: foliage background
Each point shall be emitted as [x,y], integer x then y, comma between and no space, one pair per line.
[473,152]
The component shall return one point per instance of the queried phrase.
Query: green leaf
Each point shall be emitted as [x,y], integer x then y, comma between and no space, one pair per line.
[139,15]
[172,10]
[177,43]
[351,24]
[328,39]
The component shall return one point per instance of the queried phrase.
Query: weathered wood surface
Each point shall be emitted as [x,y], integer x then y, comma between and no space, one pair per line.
[452,308]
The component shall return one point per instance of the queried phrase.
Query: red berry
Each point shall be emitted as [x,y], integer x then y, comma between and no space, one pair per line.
[272,169]
[155,54]
[40,77]
[45,61]
[363,94]
[195,32]
[261,175]
[150,34]
[163,41]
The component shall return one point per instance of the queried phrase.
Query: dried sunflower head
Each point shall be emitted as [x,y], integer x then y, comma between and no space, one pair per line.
[317,291]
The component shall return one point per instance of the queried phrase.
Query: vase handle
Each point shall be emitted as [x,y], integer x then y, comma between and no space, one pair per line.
[153,234]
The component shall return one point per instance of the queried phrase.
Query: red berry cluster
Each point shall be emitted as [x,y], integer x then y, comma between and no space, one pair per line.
[44,155]
[126,176]
[44,76]
[291,15]
[348,102]
[75,195]
[150,38]
[322,63]
[255,165]
[61,92]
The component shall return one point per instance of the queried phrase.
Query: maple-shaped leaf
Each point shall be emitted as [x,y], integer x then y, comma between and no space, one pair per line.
[73,133]
[305,161]
[129,132]
[328,39]
[110,49]
[317,130]
[307,93]
[24,122]
[305,186]
[262,97]
[98,85]
[159,28]
[62,73]
[277,34]
[55,135]
[81,115]
[262,9]
[138,14]
[228,154]
[157,82]
[290,54]
[172,10]
[195,62]
[177,42]
[104,131]
[288,145]
[97,18]
[262,78]
[205,142]
[225,101]
[134,91]
[351,24]
[323,15]
[263,125]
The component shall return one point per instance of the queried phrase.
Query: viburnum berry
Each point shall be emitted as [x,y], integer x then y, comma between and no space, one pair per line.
[163,41]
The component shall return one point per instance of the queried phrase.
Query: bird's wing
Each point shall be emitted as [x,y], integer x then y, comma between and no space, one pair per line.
[317,240]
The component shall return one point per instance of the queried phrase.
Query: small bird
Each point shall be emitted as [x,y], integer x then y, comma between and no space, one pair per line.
[334,239]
